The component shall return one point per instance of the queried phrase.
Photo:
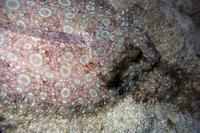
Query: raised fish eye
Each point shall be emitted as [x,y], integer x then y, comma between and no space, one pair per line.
[112,79]
[133,54]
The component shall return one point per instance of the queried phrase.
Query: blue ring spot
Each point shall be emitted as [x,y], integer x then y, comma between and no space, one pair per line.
[108,12]
[84,24]
[68,29]
[135,40]
[121,40]
[119,28]
[65,92]
[112,38]
[97,85]
[21,24]
[111,69]
[125,29]
[19,89]
[12,57]
[97,79]
[37,76]
[101,51]
[31,3]
[66,3]
[112,98]
[32,104]
[144,45]
[122,24]
[49,75]
[105,34]
[93,93]
[106,21]
[77,81]
[80,100]
[91,12]
[35,38]
[102,62]
[4,85]
[100,15]
[30,94]
[68,56]
[132,73]
[43,95]
[84,59]
[121,48]
[1,39]
[136,29]
[11,16]
[88,77]
[90,8]
[53,100]
[111,57]
[36,60]
[70,15]
[83,27]
[65,71]
[45,12]
[23,79]
[66,112]
[27,46]
[15,5]
[81,45]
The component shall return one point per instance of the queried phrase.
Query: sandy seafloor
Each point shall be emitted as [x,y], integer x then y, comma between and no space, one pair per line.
[167,99]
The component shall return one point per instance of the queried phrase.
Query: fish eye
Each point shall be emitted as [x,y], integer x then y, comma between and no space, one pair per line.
[112,79]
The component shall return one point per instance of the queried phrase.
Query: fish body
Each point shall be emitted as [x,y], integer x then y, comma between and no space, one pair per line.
[68,58]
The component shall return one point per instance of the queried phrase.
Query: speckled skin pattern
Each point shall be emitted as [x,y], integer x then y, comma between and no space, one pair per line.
[68,57]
